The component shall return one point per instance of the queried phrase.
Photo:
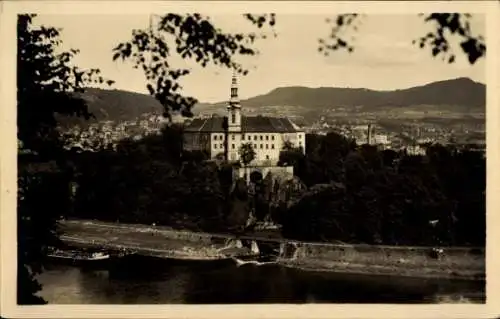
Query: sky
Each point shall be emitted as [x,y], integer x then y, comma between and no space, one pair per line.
[384,57]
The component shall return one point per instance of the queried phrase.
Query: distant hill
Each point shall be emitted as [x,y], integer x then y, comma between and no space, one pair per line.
[116,105]
[462,93]
[457,92]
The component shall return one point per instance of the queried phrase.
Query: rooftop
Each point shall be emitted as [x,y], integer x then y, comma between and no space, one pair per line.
[250,124]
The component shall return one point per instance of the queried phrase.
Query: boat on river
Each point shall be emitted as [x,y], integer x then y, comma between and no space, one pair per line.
[79,257]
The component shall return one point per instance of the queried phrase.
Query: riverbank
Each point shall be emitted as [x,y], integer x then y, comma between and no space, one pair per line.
[451,263]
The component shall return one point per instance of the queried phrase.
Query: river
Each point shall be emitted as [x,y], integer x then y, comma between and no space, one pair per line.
[169,282]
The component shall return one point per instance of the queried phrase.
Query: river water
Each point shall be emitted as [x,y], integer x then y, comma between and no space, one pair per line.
[171,282]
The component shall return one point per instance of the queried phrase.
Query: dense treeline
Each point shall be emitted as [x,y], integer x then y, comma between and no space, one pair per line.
[151,181]
[353,193]
[388,197]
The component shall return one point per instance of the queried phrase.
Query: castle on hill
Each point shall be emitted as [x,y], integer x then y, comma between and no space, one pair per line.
[222,136]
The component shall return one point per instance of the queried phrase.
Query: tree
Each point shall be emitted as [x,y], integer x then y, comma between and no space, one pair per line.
[247,155]
[194,37]
[47,87]
[447,25]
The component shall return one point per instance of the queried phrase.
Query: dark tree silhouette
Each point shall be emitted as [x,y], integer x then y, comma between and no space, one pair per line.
[452,24]
[247,155]
[46,83]
[447,25]
[363,195]
[192,36]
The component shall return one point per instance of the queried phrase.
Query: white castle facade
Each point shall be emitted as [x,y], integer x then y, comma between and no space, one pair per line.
[222,136]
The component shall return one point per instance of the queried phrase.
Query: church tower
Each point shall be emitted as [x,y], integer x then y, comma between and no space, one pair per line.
[234,108]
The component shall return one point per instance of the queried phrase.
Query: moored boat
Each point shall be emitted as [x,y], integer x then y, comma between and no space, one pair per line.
[79,257]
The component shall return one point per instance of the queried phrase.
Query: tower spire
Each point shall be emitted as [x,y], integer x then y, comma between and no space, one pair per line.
[234,101]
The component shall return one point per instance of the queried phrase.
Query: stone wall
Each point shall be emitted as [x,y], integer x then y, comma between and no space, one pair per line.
[285,171]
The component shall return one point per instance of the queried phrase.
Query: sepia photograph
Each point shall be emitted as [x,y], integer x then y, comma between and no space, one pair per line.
[168,157]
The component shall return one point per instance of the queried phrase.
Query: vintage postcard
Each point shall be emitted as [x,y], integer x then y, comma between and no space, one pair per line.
[249,159]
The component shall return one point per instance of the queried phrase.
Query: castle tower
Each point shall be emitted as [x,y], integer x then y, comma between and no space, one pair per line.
[234,108]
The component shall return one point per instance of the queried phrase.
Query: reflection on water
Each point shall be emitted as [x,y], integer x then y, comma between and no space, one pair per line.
[149,283]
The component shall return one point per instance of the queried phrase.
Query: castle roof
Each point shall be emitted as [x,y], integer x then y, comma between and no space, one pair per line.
[249,124]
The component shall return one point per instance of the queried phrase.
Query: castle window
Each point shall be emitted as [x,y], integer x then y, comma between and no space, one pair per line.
[261,137]
[255,146]
[272,146]
[267,137]
[221,145]
[232,137]
[261,146]
[215,146]
[267,146]
[267,157]
[233,118]
[242,137]
[215,137]
[232,146]
[272,137]
[255,137]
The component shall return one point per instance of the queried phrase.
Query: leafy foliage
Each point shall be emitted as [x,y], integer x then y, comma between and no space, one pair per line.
[337,36]
[46,87]
[446,25]
[45,83]
[455,24]
[150,181]
[195,38]
[361,194]
[355,193]
[247,153]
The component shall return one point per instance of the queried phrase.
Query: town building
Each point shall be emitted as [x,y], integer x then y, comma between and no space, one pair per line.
[222,136]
